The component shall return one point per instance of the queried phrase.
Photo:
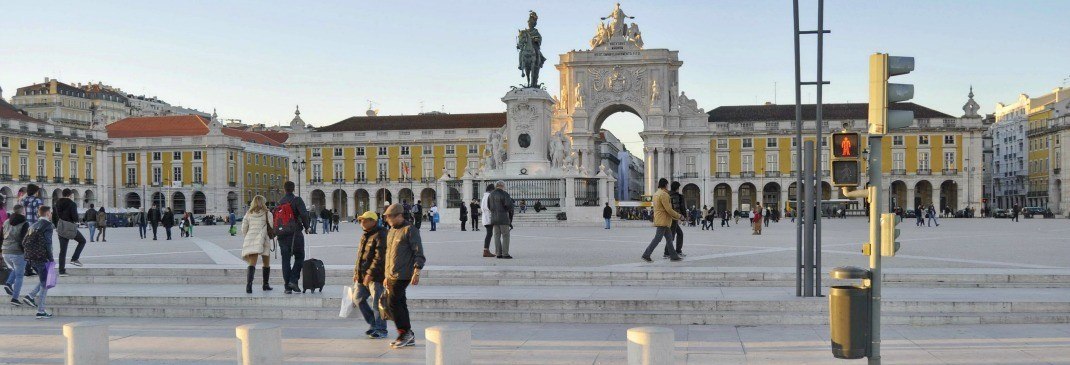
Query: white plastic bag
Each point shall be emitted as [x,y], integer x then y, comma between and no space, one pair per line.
[347,302]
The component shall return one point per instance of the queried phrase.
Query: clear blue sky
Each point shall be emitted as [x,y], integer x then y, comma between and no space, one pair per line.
[255,60]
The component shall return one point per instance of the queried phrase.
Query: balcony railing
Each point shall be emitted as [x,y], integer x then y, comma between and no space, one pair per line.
[924,172]
[899,172]
[339,181]
[722,175]
[315,181]
[41,178]
[382,180]
[5,177]
[74,180]
[232,183]
[1056,170]
[89,181]
[772,174]
[746,174]
[360,180]
[57,179]
[949,171]
[24,177]
[427,179]
[689,175]
[131,185]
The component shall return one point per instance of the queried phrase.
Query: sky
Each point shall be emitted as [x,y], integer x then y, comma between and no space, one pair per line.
[256,60]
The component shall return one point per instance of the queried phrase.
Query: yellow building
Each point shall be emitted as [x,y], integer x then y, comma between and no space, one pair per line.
[194,164]
[1044,155]
[48,154]
[361,163]
[753,158]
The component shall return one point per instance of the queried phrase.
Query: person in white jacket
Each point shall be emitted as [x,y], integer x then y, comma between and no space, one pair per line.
[485,221]
[256,228]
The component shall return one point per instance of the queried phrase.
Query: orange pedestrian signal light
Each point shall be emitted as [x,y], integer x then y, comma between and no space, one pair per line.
[845,145]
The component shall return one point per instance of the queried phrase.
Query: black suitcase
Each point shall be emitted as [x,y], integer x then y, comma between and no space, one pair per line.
[313,276]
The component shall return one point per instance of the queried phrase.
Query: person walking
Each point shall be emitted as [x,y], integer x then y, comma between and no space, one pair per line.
[67,212]
[919,216]
[368,282]
[473,209]
[756,219]
[932,216]
[30,202]
[725,217]
[464,217]
[418,214]
[766,216]
[433,216]
[607,214]
[664,215]
[168,221]
[258,233]
[401,264]
[485,220]
[736,213]
[677,201]
[232,219]
[141,223]
[38,258]
[154,219]
[91,221]
[501,216]
[325,220]
[15,228]
[102,225]
[292,245]
[1014,213]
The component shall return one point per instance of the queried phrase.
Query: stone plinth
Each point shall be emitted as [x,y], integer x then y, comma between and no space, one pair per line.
[448,345]
[87,343]
[527,132]
[260,344]
[650,346]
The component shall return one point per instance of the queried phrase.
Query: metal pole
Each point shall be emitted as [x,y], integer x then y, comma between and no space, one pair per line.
[809,213]
[875,210]
[819,187]
[798,159]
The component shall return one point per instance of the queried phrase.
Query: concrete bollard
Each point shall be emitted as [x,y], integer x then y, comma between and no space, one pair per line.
[259,344]
[650,346]
[448,345]
[87,343]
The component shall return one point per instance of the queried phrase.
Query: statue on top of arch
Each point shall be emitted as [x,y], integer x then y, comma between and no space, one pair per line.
[617,27]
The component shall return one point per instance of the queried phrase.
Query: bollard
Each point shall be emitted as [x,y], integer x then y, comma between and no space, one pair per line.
[87,343]
[260,344]
[448,345]
[650,346]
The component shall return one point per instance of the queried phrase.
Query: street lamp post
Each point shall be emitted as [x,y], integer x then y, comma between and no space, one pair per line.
[299,167]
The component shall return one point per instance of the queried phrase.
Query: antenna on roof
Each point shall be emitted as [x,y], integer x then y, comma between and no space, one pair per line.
[421,106]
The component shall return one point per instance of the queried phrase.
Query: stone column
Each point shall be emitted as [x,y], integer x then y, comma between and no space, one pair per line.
[649,183]
[259,344]
[466,189]
[909,204]
[570,194]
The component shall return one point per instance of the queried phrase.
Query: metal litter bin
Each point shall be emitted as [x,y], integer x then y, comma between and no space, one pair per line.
[849,314]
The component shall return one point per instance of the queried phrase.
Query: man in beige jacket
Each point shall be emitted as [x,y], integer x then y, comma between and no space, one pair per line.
[664,215]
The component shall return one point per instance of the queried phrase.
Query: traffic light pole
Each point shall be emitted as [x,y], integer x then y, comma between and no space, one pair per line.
[876,200]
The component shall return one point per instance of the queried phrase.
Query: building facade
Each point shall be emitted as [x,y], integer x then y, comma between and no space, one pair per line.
[1009,165]
[64,104]
[192,164]
[362,163]
[51,155]
[622,165]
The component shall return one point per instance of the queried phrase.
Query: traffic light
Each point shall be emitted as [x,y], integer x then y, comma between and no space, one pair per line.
[881,93]
[846,170]
[889,233]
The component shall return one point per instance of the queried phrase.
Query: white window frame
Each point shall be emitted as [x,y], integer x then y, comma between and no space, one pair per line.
[923,160]
[429,169]
[176,174]
[338,152]
[361,172]
[923,139]
[898,160]
[198,155]
[949,139]
[24,165]
[722,163]
[316,152]
[360,151]
[157,175]
[405,151]
[57,167]
[897,140]
[339,172]
[746,163]
[383,170]
[722,143]
[772,161]
[771,142]
[747,143]
[176,156]
[41,167]
[198,174]
[451,150]
[317,171]
[131,175]
[689,163]
[382,151]
[949,160]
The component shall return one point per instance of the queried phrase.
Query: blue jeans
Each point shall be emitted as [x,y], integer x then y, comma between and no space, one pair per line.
[326,226]
[932,219]
[143,230]
[92,231]
[667,234]
[607,223]
[371,311]
[41,291]
[17,264]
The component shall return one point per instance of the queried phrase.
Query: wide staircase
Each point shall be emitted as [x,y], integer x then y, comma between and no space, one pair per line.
[545,218]
[740,296]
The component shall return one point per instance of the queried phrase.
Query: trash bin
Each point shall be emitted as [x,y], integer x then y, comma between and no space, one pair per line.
[849,314]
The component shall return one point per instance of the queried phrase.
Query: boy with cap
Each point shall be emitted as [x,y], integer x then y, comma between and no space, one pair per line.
[369,281]
[401,264]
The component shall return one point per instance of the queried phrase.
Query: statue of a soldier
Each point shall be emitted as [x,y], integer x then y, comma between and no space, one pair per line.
[529,42]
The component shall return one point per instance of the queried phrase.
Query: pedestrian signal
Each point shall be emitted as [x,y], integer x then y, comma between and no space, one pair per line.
[845,145]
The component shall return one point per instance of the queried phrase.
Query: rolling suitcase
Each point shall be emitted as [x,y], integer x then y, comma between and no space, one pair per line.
[313,275]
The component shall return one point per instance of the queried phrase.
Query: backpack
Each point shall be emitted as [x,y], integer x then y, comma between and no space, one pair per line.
[35,246]
[285,220]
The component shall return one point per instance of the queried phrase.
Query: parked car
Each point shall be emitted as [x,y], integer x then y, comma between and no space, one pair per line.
[1001,213]
[1029,212]
[119,220]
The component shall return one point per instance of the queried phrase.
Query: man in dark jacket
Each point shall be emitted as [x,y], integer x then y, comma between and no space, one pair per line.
[369,283]
[168,221]
[401,264]
[67,210]
[678,206]
[473,209]
[293,245]
[417,214]
[91,221]
[501,217]
[607,214]
[464,217]
[141,222]
[154,219]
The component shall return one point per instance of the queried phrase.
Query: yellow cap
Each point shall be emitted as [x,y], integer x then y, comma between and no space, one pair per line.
[368,215]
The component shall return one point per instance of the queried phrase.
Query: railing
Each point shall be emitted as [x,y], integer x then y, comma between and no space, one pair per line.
[5,177]
[339,181]
[24,177]
[89,181]
[949,171]
[924,172]
[453,194]
[360,181]
[587,192]
[548,193]
[315,181]
[772,174]
[899,172]
[232,183]
[427,179]
[74,180]
[689,175]
[721,175]
[382,179]
[41,178]
[1056,170]
[57,179]
[131,185]
[746,174]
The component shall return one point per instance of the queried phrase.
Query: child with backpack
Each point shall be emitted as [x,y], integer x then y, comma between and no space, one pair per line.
[37,248]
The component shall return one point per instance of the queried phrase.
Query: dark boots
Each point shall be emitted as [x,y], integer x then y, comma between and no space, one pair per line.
[249,279]
[267,276]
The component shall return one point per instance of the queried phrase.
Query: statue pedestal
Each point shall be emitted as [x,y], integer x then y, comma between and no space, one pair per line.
[527,130]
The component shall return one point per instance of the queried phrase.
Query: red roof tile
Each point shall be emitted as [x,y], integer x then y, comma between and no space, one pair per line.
[253,137]
[280,137]
[8,111]
[163,126]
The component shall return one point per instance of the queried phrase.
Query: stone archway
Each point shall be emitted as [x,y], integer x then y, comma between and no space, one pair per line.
[949,195]
[897,194]
[427,196]
[89,198]
[771,195]
[923,193]
[200,203]
[178,201]
[361,199]
[341,203]
[383,197]
[692,196]
[232,202]
[56,195]
[133,200]
[405,196]
[722,197]
[747,195]
[318,200]
[159,200]
[617,74]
